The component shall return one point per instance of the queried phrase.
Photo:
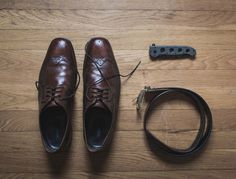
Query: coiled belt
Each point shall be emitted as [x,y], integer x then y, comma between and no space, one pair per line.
[205,127]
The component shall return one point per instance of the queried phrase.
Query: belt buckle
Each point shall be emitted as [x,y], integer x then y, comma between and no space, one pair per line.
[143,93]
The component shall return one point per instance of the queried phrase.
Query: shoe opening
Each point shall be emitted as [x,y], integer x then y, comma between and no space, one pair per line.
[98,122]
[53,122]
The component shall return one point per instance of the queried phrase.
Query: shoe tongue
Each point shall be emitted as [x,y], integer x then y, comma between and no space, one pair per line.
[52,104]
[100,105]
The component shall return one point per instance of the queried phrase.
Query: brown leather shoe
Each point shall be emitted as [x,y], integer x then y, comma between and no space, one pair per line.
[56,89]
[101,93]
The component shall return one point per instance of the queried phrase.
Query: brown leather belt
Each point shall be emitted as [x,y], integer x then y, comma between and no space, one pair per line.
[204,130]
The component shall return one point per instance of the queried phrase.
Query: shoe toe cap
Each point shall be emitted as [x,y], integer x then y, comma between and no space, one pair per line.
[99,47]
[60,47]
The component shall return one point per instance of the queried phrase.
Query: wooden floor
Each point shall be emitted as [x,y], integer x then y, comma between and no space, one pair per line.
[28,26]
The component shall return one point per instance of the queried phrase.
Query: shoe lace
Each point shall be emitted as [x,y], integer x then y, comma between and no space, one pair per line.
[52,93]
[103,94]
[99,94]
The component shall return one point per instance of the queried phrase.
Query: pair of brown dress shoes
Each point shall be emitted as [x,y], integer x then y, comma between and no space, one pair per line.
[57,85]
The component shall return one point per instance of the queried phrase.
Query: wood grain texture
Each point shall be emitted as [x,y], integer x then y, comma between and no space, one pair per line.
[28,26]
[139,160]
[117,19]
[205,60]
[121,39]
[216,174]
[178,119]
[184,5]
[137,141]
[19,92]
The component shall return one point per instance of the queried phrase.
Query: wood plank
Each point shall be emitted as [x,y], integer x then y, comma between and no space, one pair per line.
[218,78]
[119,161]
[227,174]
[161,120]
[205,60]
[121,39]
[21,143]
[216,174]
[117,19]
[19,92]
[228,5]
